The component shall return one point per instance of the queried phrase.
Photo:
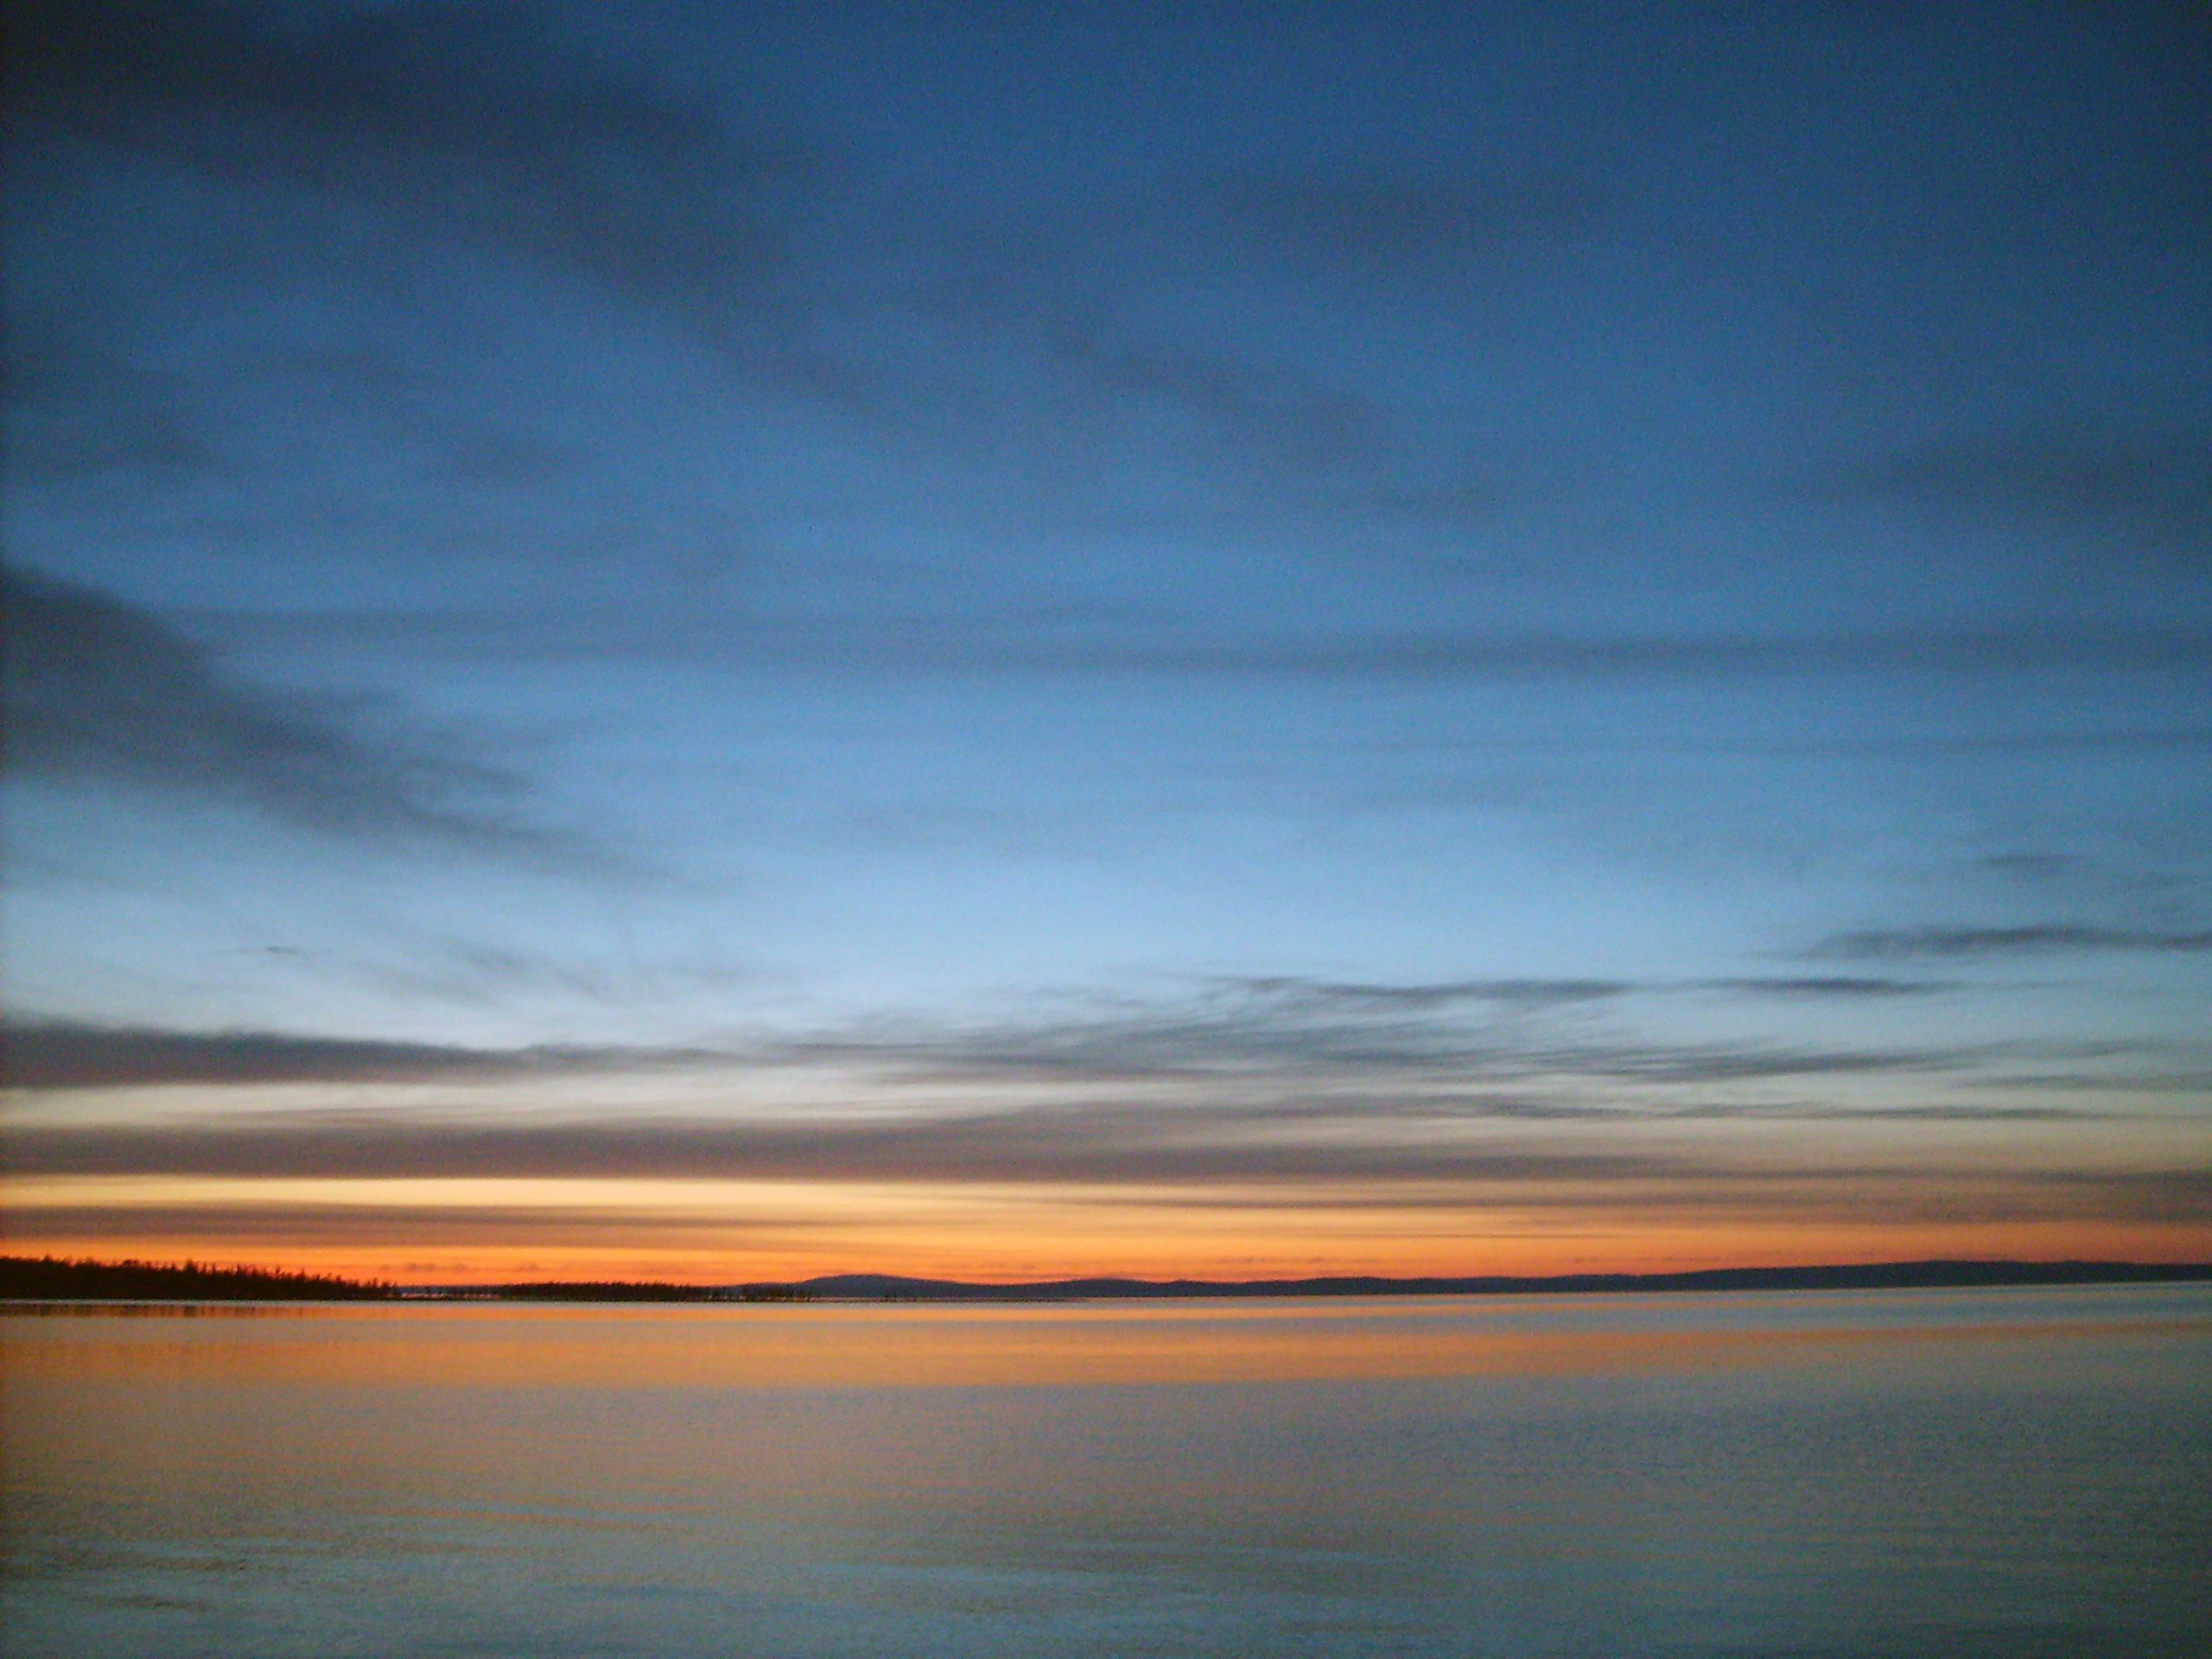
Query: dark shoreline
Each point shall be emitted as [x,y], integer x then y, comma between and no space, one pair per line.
[48,1279]
[1874,1275]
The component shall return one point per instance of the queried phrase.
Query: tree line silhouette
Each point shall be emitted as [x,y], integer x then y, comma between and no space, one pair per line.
[51,1278]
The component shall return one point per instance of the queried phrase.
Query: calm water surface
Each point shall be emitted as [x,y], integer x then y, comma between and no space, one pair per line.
[2017,1473]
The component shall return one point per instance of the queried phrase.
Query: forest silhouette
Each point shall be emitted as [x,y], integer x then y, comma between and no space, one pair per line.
[53,1278]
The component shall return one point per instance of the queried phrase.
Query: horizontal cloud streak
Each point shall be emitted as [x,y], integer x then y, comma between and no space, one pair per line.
[1087,1145]
[1296,992]
[1846,986]
[1017,642]
[2036,938]
[59,1055]
[1279,1032]
[1184,1156]
[1489,1030]
[2155,487]
[400,1225]
[480,124]
[100,689]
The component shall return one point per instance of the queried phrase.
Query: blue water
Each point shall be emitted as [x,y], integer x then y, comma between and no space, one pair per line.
[2019,1472]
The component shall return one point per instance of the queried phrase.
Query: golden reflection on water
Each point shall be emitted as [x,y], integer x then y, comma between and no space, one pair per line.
[475,1344]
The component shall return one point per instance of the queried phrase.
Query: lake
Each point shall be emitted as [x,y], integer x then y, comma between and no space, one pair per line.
[2014,1472]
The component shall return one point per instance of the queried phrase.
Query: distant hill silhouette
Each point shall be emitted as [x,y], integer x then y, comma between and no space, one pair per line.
[51,1279]
[1873,1275]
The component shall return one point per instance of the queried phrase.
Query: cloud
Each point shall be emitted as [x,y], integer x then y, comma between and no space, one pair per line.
[1848,986]
[1186,1077]
[1262,1051]
[98,689]
[1565,992]
[1444,656]
[1296,991]
[1049,1145]
[1186,1159]
[1214,1047]
[1489,1031]
[1410,1092]
[2156,488]
[2169,1195]
[442,968]
[489,129]
[1076,640]
[2159,1198]
[2037,938]
[1262,407]
[62,1054]
[480,124]
[392,1226]
[2176,1081]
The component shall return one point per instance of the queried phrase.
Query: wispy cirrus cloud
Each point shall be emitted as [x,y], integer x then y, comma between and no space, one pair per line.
[243,1222]
[1265,409]
[1393,1092]
[1164,1158]
[1537,994]
[1493,1032]
[1249,1040]
[98,689]
[456,971]
[1500,1047]
[59,1055]
[1193,1045]
[2152,486]
[1297,991]
[1048,1145]
[481,125]
[2025,939]
[1851,986]
[1078,640]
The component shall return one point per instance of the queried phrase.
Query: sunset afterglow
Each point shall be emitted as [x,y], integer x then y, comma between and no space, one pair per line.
[679,643]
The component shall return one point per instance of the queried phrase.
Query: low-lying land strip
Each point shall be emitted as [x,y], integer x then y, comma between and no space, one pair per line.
[51,1279]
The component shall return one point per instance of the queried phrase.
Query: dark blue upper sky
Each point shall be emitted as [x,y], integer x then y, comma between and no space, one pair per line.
[1679,530]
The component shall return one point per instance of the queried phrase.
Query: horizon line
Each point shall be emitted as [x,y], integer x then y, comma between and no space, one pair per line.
[1919,1272]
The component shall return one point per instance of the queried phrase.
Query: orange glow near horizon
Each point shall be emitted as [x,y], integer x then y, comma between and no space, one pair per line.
[438,1231]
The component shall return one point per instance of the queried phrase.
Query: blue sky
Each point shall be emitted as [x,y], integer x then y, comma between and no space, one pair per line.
[720,569]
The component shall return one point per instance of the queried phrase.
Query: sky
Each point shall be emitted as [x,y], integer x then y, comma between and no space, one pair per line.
[726,643]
